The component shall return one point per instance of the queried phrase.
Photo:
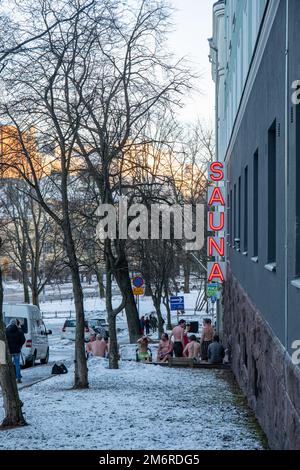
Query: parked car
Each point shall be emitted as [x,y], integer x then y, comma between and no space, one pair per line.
[92,326]
[69,330]
[99,325]
[36,334]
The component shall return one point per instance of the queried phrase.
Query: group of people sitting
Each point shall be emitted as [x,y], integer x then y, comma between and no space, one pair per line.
[181,344]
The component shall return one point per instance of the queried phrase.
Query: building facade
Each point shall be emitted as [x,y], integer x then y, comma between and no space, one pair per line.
[256,67]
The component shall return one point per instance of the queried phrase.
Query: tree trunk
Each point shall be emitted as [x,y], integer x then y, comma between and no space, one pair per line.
[25,284]
[166,302]
[99,275]
[12,403]
[186,272]
[113,342]
[157,302]
[35,293]
[147,290]
[121,274]
[111,313]
[81,370]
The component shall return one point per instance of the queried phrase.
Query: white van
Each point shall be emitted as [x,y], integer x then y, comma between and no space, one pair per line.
[36,346]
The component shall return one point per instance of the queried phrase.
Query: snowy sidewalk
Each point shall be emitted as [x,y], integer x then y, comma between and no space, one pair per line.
[136,407]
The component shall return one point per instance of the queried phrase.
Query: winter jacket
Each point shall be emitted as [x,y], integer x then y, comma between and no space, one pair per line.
[15,339]
[216,353]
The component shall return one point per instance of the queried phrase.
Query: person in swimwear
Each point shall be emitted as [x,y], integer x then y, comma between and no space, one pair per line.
[143,354]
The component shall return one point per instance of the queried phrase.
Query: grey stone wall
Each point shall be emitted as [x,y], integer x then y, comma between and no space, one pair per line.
[262,367]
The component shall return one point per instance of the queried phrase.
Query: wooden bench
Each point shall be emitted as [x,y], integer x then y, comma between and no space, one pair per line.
[187,362]
[181,362]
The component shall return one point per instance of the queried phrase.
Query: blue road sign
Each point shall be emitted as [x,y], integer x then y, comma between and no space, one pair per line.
[138,281]
[177,302]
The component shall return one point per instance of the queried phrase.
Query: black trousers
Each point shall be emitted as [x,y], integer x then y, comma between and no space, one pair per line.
[178,349]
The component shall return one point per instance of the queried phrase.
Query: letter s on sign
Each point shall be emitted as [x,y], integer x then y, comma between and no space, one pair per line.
[296,354]
[217,169]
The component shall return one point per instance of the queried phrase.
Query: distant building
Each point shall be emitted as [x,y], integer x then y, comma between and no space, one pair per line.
[255,58]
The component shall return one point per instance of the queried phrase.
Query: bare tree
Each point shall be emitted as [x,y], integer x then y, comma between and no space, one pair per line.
[16,37]
[27,231]
[157,266]
[90,86]
[12,403]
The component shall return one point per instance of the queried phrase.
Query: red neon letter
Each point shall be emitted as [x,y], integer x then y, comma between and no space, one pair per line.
[216,196]
[211,225]
[217,168]
[216,272]
[212,243]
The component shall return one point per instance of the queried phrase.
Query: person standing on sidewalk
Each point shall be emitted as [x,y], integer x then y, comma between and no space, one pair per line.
[147,325]
[206,338]
[15,340]
[178,338]
[142,324]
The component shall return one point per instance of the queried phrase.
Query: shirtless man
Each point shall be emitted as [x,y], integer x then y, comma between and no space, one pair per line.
[192,349]
[178,335]
[165,348]
[99,347]
[206,338]
[143,352]
[88,347]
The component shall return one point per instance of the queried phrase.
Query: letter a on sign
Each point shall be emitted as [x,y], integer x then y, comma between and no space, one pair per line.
[216,272]
[216,195]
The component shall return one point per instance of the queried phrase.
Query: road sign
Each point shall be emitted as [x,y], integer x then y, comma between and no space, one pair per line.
[138,290]
[138,281]
[177,302]
[212,289]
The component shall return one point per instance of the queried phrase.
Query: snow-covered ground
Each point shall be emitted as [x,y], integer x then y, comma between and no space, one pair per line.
[136,407]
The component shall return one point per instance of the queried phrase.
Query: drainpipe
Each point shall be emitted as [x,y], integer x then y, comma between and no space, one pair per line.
[286,175]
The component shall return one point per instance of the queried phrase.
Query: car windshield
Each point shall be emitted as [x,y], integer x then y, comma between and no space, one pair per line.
[97,322]
[23,322]
[72,324]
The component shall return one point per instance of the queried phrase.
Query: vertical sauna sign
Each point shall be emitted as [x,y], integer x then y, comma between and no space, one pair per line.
[216,269]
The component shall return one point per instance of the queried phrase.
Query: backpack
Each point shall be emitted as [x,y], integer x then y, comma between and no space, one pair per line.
[59,368]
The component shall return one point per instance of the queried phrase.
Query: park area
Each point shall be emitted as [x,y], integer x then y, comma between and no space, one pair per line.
[137,406]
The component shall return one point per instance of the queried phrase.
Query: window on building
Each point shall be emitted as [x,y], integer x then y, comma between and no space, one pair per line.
[255,204]
[234,214]
[298,190]
[272,193]
[230,218]
[246,209]
[239,211]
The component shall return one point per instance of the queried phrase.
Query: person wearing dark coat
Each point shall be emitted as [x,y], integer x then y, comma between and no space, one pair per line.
[15,340]
[147,325]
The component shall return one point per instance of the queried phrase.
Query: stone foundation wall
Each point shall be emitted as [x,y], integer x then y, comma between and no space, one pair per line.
[262,367]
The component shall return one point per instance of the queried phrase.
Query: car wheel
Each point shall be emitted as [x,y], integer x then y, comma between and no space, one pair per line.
[31,362]
[46,359]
